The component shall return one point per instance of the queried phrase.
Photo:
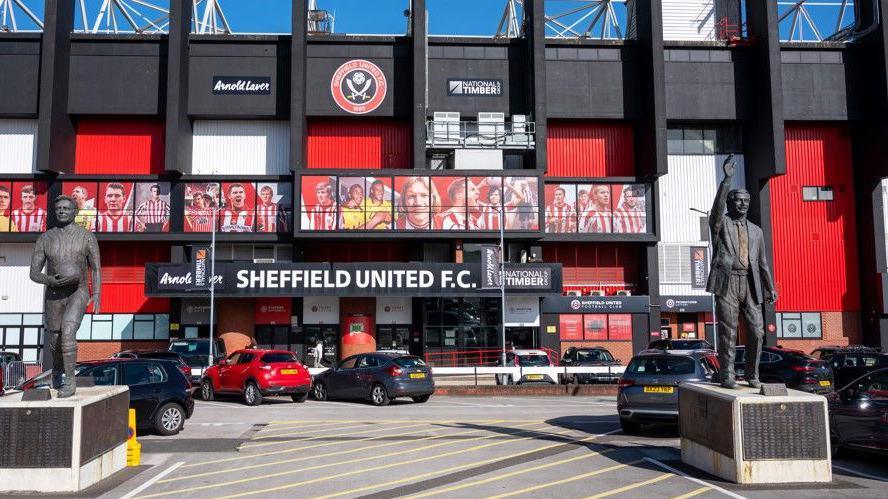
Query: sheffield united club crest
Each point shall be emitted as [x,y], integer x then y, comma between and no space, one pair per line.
[358,86]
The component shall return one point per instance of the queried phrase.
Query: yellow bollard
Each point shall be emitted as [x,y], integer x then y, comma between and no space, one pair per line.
[133,447]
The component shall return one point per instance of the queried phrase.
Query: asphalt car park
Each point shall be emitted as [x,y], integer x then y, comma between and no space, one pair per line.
[446,447]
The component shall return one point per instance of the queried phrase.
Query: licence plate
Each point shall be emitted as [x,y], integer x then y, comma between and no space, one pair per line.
[659,389]
[534,376]
[417,375]
[825,383]
[289,371]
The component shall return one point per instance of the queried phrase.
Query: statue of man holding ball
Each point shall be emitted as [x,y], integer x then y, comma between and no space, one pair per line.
[68,252]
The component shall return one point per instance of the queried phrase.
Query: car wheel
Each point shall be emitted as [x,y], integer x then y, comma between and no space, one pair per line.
[379,395]
[170,419]
[629,427]
[319,391]
[421,399]
[206,390]
[252,395]
[300,397]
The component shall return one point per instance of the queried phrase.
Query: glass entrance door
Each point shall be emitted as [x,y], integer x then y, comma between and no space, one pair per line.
[329,336]
[274,337]
[393,338]
[521,337]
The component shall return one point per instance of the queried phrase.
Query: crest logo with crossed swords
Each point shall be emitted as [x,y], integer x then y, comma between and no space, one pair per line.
[358,84]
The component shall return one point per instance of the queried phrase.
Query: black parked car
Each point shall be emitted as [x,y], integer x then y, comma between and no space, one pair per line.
[196,353]
[848,365]
[156,354]
[159,392]
[648,390]
[590,357]
[378,377]
[826,352]
[680,344]
[858,414]
[793,368]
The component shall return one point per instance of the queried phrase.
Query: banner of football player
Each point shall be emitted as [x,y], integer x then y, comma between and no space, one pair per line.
[596,208]
[23,206]
[444,203]
[152,207]
[200,200]
[273,206]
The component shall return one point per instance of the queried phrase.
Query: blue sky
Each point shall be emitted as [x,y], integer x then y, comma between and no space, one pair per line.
[456,17]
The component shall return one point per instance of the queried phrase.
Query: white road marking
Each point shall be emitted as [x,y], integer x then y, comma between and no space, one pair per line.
[860,473]
[153,479]
[695,480]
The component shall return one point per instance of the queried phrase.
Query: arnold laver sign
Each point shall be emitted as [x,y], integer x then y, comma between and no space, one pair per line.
[371,279]
[474,88]
[241,85]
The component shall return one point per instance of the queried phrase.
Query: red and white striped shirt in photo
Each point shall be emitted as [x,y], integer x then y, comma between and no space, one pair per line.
[153,211]
[199,220]
[596,221]
[236,221]
[628,221]
[33,221]
[453,221]
[107,222]
[490,218]
[268,218]
[560,219]
[322,218]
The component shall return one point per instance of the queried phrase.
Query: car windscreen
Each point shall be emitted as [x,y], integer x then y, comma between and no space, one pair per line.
[191,347]
[409,362]
[160,355]
[534,360]
[662,366]
[594,355]
[690,345]
[272,358]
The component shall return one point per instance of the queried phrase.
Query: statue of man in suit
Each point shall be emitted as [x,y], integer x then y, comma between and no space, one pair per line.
[740,278]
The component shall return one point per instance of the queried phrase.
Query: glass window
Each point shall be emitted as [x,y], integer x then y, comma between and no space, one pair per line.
[102,327]
[693,141]
[670,366]
[161,327]
[825,193]
[809,193]
[675,141]
[348,363]
[143,374]
[103,375]
[709,141]
[10,319]
[409,362]
[877,386]
[234,358]
[368,361]
[122,327]
[85,328]
[271,358]
[246,358]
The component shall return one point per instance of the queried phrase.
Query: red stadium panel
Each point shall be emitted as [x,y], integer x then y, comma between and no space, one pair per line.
[123,277]
[590,149]
[119,146]
[339,143]
[815,242]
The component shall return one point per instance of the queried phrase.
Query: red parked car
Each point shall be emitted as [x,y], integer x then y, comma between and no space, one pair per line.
[255,374]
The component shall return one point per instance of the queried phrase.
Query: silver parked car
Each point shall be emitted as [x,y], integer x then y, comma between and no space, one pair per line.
[648,390]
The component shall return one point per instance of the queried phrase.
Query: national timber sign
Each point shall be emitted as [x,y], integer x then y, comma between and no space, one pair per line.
[350,279]
[358,86]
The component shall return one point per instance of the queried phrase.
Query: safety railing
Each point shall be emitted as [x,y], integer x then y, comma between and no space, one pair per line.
[515,374]
[14,373]
[475,358]
[480,135]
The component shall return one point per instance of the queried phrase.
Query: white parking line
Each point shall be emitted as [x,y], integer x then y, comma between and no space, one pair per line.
[860,473]
[695,480]
[152,480]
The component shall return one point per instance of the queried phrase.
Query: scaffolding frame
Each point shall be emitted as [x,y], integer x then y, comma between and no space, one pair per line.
[590,19]
[8,21]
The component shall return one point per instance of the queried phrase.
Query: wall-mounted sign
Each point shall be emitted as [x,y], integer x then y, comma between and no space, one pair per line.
[358,86]
[201,257]
[686,303]
[394,310]
[244,278]
[605,304]
[474,88]
[320,310]
[522,311]
[241,85]
[272,311]
[699,267]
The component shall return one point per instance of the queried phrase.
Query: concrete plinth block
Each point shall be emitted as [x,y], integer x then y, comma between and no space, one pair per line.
[63,445]
[747,438]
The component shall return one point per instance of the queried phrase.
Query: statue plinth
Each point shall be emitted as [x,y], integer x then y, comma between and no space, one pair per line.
[63,445]
[747,438]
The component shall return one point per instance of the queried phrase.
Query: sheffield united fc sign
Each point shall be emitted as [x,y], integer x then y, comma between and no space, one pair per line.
[358,86]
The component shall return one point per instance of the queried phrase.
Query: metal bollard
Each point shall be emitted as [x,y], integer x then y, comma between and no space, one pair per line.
[133,447]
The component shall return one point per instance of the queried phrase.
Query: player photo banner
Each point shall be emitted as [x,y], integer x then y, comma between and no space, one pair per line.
[597,208]
[152,207]
[358,86]
[27,206]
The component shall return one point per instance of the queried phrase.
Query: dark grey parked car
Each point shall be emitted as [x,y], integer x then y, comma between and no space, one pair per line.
[377,377]
[648,390]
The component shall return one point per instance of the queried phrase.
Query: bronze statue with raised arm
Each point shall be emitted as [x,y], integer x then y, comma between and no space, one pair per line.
[739,277]
[68,252]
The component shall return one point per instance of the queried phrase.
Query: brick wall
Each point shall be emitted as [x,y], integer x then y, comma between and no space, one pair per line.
[619,349]
[839,328]
[92,350]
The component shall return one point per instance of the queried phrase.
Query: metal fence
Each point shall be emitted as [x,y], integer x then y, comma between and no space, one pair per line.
[14,373]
